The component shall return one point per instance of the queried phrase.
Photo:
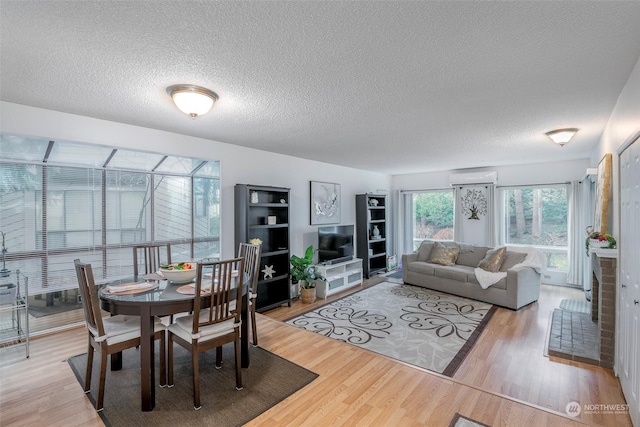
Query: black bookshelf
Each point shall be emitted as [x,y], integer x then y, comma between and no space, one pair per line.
[263,212]
[371,232]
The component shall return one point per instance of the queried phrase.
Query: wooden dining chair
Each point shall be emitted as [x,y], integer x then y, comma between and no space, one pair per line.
[251,254]
[211,327]
[109,335]
[150,255]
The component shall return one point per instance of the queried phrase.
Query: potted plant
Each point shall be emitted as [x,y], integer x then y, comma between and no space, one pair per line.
[305,273]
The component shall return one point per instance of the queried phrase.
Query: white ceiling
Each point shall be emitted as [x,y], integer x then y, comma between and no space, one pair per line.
[397,87]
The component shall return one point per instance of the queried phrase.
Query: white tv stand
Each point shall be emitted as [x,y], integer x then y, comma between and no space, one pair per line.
[340,276]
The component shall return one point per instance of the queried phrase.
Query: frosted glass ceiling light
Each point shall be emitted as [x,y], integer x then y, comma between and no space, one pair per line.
[192,100]
[561,136]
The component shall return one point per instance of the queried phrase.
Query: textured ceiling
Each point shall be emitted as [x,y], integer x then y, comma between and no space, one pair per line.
[397,87]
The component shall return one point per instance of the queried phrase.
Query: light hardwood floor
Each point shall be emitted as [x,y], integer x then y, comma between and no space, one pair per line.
[505,381]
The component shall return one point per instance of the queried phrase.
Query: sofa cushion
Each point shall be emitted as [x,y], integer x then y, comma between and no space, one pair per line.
[493,260]
[511,259]
[454,272]
[425,250]
[501,284]
[471,255]
[444,255]
[421,267]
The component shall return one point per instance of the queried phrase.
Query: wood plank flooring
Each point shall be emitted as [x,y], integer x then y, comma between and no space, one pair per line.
[505,381]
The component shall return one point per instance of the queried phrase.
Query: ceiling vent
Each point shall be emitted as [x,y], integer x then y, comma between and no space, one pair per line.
[490,177]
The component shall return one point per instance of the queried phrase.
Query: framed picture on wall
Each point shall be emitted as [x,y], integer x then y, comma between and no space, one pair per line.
[325,203]
[603,185]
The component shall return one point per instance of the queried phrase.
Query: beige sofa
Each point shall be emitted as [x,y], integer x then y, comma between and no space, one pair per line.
[519,287]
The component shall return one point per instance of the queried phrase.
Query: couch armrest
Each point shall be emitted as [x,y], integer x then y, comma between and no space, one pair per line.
[412,257]
[406,259]
[523,285]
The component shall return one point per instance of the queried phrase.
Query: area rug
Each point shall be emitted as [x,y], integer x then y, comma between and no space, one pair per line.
[419,326]
[576,306]
[462,421]
[269,380]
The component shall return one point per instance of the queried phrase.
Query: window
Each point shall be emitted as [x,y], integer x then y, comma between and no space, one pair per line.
[172,207]
[538,216]
[128,210]
[206,221]
[428,215]
[21,217]
[60,201]
[73,208]
[20,206]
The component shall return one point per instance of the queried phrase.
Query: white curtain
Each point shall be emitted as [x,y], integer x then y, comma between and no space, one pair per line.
[458,234]
[587,189]
[405,231]
[492,211]
[580,214]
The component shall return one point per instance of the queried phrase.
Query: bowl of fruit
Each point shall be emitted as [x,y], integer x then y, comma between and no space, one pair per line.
[179,272]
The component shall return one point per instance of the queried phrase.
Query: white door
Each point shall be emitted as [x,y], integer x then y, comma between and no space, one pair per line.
[628,363]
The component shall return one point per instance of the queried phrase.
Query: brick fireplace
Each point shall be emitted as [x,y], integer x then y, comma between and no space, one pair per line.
[603,301]
[590,337]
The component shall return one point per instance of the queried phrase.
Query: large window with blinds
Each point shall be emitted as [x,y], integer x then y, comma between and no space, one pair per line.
[61,200]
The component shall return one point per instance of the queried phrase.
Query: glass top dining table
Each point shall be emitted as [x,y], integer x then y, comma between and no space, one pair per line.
[164,300]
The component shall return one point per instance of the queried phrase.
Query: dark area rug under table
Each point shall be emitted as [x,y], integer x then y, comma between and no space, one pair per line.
[269,380]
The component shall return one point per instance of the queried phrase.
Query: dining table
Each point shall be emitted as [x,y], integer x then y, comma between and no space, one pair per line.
[165,299]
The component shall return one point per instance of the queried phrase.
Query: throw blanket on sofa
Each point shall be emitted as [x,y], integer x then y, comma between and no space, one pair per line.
[534,259]
[487,278]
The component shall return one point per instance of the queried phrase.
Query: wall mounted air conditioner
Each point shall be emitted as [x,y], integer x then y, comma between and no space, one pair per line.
[592,174]
[489,177]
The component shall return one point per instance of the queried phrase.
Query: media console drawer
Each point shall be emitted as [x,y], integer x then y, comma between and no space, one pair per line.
[339,277]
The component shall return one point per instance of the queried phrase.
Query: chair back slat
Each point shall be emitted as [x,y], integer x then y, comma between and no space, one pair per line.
[90,300]
[225,298]
[251,254]
[150,257]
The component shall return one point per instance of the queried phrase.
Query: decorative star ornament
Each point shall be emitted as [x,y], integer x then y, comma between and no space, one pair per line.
[268,272]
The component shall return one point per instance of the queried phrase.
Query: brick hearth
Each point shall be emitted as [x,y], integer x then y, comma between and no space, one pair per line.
[590,338]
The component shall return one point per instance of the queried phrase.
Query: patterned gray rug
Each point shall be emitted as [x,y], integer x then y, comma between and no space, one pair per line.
[425,328]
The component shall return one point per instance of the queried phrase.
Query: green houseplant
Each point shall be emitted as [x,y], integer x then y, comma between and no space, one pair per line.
[303,270]
[594,235]
[305,273]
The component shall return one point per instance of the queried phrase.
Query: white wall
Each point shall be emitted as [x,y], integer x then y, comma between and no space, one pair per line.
[623,124]
[238,164]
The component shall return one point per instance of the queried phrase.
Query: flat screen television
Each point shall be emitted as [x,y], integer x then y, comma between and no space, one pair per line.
[335,244]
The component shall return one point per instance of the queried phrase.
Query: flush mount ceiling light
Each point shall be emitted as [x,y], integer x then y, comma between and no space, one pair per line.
[561,136]
[192,100]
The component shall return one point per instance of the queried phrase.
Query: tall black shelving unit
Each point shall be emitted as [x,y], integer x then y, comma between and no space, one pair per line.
[263,212]
[371,214]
